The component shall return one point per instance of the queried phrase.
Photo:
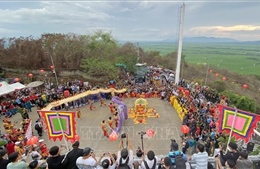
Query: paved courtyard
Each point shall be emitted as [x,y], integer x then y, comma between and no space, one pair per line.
[89,128]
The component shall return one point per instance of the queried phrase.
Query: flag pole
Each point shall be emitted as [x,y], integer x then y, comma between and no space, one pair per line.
[232,128]
[63,135]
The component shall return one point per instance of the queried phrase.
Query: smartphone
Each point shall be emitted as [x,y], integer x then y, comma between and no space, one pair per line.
[26,151]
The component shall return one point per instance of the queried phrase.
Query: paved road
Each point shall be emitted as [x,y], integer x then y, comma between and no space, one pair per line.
[88,128]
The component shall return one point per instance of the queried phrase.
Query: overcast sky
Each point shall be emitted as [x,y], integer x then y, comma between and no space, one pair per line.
[131,20]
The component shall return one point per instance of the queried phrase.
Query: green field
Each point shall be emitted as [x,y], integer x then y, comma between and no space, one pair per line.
[243,58]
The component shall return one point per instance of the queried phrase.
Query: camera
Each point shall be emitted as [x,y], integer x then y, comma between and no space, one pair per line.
[123,135]
[141,133]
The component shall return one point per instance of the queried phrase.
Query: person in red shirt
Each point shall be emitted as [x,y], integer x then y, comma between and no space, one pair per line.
[104,128]
[91,106]
[111,106]
[44,149]
[102,101]
[10,147]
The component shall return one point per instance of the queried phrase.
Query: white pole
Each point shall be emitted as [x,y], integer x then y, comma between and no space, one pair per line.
[232,127]
[256,132]
[63,136]
[54,71]
[178,64]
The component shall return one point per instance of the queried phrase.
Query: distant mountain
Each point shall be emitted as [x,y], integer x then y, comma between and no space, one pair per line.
[204,39]
[199,39]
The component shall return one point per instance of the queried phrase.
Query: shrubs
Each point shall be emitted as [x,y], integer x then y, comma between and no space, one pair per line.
[241,102]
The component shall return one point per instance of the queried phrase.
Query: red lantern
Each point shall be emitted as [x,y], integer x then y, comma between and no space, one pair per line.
[30,75]
[52,67]
[210,71]
[245,86]
[34,139]
[29,142]
[216,75]
[76,138]
[150,132]
[224,79]
[185,129]
[113,136]
[72,141]
[16,79]
[0,84]
[42,71]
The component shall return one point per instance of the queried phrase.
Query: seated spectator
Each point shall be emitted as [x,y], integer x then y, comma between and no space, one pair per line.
[125,155]
[3,159]
[150,162]
[87,160]
[54,161]
[244,162]
[201,158]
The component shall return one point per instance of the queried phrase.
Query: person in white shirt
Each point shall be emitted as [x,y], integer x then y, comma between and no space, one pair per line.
[151,161]
[201,158]
[125,154]
[87,160]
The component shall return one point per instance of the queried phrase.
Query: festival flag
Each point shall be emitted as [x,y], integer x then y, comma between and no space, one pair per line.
[244,123]
[53,127]
[28,132]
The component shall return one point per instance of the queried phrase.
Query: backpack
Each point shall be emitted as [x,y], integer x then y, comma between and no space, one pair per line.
[179,161]
[147,167]
[37,126]
[125,165]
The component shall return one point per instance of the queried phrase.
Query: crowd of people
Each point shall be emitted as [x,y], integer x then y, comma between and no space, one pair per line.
[200,116]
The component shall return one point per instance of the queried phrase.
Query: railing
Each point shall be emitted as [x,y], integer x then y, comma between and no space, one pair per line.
[255,159]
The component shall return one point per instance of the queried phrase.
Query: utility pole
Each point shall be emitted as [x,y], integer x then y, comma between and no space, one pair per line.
[54,70]
[178,64]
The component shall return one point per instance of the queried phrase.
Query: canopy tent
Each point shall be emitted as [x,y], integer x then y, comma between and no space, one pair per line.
[5,88]
[34,84]
[17,86]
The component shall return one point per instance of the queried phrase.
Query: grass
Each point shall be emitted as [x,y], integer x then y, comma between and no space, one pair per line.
[241,58]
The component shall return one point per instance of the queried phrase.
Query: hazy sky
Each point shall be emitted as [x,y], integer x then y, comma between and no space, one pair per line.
[131,20]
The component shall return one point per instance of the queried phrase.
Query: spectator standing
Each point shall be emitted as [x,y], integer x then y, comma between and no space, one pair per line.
[38,127]
[69,161]
[54,161]
[15,161]
[201,158]
[150,162]
[10,147]
[125,155]
[244,162]
[232,154]
[175,152]
[3,159]
[87,160]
